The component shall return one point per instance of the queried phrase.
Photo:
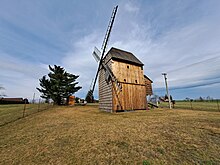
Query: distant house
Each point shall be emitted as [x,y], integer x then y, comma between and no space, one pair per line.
[13,101]
[130,87]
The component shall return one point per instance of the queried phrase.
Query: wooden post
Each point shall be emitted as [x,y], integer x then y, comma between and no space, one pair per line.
[24,108]
[38,106]
[164,74]
[33,98]
[218,105]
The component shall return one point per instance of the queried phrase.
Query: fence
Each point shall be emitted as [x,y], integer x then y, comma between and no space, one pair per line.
[212,105]
[13,112]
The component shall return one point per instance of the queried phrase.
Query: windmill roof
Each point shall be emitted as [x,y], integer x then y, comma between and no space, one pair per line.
[124,56]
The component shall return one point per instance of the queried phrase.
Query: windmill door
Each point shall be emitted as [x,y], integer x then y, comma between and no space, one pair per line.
[133,97]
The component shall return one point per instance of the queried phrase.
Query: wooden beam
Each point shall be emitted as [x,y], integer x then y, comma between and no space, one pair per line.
[132,83]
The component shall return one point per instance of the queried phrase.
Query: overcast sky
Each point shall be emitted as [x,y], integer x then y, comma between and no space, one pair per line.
[179,37]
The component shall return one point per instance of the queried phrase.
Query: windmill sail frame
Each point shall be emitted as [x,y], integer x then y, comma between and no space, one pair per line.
[104,45]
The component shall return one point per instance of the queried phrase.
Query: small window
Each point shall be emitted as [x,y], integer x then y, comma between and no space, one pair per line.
[124,80]
[136,81]
[127,66]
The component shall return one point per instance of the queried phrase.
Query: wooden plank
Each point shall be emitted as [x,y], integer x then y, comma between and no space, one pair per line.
[133,83]
[133,95]
[129,98]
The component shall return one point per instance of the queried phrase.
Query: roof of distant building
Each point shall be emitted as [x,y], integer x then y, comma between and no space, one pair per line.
[11,99]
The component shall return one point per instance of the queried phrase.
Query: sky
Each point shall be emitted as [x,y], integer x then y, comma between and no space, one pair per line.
[177,37]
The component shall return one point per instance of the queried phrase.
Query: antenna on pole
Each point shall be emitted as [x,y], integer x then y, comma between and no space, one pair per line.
[165,78]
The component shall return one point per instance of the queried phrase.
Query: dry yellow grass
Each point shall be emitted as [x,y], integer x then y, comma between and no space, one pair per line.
[83,135]
[12,112]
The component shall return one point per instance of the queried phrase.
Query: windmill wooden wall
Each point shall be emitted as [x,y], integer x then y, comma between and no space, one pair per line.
[133,94]
[129,72]
[105,90]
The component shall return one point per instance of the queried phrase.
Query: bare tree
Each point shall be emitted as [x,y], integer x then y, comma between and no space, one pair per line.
[2,94]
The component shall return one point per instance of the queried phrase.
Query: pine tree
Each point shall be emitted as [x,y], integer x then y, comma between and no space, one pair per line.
[59,85]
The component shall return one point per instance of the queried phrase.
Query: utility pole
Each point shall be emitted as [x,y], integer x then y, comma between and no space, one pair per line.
[164,74]
[33,98]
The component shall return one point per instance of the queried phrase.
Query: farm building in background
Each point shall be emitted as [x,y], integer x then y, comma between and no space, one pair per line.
[128,71]
[13,101]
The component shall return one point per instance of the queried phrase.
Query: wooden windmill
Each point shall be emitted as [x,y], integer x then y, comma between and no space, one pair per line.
[122,84]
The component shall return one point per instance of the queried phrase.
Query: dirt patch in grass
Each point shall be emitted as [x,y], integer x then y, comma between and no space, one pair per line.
[83,135]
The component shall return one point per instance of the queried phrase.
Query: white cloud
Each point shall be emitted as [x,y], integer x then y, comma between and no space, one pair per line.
[19,78]
[170,51]
[17,66]
[131,7]
[176,47]
[79,60]
[182,49]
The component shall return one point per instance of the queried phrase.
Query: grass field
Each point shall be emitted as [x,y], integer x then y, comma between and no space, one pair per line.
[13,112]
[204,106]
[83,135]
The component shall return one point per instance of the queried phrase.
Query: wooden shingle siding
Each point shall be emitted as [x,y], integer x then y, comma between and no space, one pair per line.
[105,91]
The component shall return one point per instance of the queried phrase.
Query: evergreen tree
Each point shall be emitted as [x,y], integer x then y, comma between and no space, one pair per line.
[59,86]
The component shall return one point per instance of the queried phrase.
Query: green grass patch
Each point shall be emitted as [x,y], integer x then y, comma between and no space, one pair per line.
[203,106]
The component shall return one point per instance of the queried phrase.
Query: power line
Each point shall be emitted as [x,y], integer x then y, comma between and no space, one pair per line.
[187,87]
[194,64]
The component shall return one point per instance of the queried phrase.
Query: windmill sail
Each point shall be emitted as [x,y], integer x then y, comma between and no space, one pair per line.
[96,54]
[104,45]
